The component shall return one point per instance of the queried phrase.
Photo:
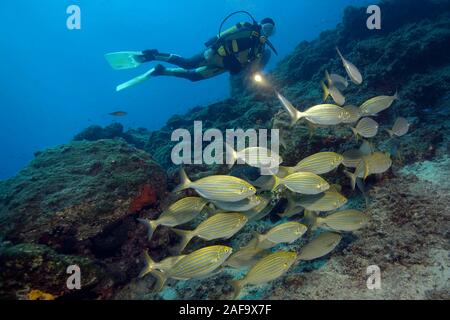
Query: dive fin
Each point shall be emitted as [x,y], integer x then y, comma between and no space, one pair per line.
[124,60]
[135,81]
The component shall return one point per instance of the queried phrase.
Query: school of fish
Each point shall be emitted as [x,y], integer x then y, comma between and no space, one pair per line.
[230,203]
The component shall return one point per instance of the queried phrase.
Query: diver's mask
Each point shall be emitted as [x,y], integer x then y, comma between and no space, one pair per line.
[267,30]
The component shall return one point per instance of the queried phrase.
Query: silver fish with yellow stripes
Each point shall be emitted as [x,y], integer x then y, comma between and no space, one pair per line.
[246,257]
[376,163]
[239,206]
[347,220]
[320,163]
[287,232]
[324,114]
[353,114]
[328,201]
[377,104]
[366,127]
[303,182]
[179,213]
[339,81]
[265,270]
[352,71]
[162,266]
[320,246]
[400,128]
[197,264]
[218,188]
[262,209]
[258,157]
[332,90]
[219,226]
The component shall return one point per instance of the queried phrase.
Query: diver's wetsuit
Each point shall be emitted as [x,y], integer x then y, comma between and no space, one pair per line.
[237,48]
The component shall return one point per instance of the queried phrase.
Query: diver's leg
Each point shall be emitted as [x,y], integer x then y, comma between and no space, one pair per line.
[190,63]
[195,75]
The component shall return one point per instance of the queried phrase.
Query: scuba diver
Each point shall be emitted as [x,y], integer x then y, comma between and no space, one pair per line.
[233,51]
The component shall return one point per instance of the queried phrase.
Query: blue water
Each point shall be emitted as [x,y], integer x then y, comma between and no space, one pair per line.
[55,82]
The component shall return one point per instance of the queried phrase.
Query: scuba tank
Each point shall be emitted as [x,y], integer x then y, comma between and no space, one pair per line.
[214,42]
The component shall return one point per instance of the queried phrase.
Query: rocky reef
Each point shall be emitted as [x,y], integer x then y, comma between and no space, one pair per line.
[78,203]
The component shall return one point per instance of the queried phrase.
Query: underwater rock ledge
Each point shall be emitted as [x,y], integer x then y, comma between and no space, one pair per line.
[78,203]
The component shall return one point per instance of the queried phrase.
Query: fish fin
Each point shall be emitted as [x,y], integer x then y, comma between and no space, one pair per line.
[149,265]
[151,226]
[355,132]
[396,95]
[311,219]
[233,153]
[311,129]
[259,238]
[340,54]
[278,181]
[161,279]
[326,91]
[352,177]
[184,182]
[237,288]
[293,112]
[390,132]
[186,236]
[366,168]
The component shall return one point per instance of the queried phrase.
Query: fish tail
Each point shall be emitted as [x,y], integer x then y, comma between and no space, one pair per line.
[311,219]
[149,265]
[297,117]
[355,132]
[339,53]
[352,177]
[396,95]
[161,279]
[391,133]
[237,288]
[151,226]
[186,236]
[291,207]
[259,238]
[231,155]
[184,181]
[277,182]
[326,91]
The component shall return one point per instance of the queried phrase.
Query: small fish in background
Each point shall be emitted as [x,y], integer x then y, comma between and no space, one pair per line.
[162,266]
[118,114]
[346,221]
[303,182]
[219,226]
[178,213]
[400,128]
[198,264]
[353,114]
[239,206]
[328,201]
[288,232]
[218,188]
[320,163]
[376,163]
[377,104]
[366,128]
[332,90]
[320,246]
[246,257]
[352,71]
[265,270]
[339,81]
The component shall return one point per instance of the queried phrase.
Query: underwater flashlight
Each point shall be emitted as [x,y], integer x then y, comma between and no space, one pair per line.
[258,78]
